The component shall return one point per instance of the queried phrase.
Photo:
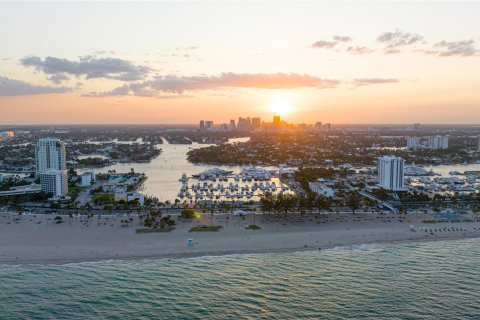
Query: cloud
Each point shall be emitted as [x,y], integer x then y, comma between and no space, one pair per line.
[58,78]
[187,48]
[235,80]
[372,81]
[90,67]
[393,41]
[359,50]
[330,44]
[322,44]
[231,80]
[103,52]
[11,87]
[463,48]
[342,38]
[178,85]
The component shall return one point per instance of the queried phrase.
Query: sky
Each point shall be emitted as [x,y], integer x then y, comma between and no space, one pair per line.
[179,62]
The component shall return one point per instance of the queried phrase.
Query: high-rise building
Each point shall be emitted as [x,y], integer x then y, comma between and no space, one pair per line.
[438,142]
[390,173]
[50,154]
[202,125]
[54,182]
[478,143]
[256,123]
[232,126]
[244,124]
[326,127]
[276,122]
[413,142]
[209,125]
[51,161]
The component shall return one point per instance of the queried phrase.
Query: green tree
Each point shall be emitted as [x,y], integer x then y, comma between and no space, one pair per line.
[322,203]
[354,201]
[267,202]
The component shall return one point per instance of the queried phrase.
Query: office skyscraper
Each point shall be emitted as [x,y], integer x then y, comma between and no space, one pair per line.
[276,122]
[256,123]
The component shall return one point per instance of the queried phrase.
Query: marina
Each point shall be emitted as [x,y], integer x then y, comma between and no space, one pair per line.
[456,181]
[168,173]
[226,185]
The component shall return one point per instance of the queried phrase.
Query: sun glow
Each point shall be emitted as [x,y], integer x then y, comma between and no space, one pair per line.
[281,107]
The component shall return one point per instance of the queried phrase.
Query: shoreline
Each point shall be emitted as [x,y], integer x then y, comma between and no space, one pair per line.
[33,242]
[179,256]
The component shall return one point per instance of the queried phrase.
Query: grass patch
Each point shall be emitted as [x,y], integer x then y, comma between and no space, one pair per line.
[73,191]
[103,198]
[253,227]
[205,228]
[154,230]
[445,221]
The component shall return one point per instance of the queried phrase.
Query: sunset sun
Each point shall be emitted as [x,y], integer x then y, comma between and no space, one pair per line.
[280,107]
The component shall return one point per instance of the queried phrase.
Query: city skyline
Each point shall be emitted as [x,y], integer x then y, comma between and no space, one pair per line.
[239,159]
[348,62]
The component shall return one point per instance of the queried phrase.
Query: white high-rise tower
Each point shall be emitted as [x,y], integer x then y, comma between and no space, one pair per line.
[390,173]
[438,142]
[50,154]
[51,161]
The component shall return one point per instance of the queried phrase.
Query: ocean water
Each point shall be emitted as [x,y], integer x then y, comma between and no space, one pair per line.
[430,280]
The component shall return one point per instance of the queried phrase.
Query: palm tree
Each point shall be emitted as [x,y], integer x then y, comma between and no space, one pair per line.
[322,203]
[353,201]
[302,204]
[266,202]
[21,210]
[287,201]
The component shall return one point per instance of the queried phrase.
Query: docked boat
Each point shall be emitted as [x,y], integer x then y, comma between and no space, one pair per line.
[212,174]
[184,177]
[455,173]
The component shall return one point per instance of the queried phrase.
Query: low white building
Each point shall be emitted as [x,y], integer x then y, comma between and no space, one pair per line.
[284,169]
[321,189]
[87,178]
[54,182]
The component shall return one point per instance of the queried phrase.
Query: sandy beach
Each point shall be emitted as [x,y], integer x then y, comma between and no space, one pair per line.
[38,240]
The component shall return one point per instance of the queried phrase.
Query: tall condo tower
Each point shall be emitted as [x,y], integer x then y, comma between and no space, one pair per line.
[390,173]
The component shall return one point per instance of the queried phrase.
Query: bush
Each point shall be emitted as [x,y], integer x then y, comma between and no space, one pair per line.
[188,213]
